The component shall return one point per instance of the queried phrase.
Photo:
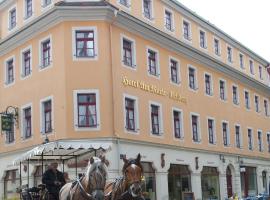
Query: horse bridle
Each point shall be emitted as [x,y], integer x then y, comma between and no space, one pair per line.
[130,163]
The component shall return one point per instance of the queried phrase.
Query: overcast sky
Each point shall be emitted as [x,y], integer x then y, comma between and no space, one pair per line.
[247,21]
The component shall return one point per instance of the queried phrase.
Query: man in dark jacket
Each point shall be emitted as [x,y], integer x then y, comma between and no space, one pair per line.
[54,180]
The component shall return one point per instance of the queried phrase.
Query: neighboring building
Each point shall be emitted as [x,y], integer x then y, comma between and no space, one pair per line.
[149,76]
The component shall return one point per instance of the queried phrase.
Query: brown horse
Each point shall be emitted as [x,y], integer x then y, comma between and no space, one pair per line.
[127,187]
[91,185]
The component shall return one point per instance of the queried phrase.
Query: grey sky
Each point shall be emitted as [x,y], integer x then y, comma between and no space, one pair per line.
[245,20]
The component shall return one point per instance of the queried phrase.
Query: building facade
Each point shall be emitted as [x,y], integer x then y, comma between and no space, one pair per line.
[149,76]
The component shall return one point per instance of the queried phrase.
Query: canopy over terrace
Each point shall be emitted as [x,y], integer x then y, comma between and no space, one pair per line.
[63,150]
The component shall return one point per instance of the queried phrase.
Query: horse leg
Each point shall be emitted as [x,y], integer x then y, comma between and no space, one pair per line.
[64,193]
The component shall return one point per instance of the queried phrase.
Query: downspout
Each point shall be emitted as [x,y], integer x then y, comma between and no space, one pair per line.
[113,94]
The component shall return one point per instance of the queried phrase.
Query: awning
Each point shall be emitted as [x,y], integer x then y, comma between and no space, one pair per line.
[64,150]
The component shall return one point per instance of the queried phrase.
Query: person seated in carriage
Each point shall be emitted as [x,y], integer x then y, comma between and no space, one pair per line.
[54,180]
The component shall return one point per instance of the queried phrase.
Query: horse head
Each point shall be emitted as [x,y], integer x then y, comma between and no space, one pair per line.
[133,172]
[96,176]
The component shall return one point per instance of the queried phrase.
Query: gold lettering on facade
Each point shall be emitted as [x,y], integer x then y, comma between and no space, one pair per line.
[153,89]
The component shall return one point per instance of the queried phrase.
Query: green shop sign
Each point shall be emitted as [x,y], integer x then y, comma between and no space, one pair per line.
[6,122]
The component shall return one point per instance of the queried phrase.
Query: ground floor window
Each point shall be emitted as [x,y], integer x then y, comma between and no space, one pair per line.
[179,181]
[149,186]
[210,183]
[264,181]
[248,181]
[11,183]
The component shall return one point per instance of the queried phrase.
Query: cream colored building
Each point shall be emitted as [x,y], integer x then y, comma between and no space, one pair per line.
[147,76]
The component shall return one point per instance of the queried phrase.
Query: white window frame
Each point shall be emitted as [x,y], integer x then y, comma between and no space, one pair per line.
[268,110]
[6,84]
[157,61]
[136,114]
[75,110]
[182,134]
[29,48]
[178,66]
[152,15]
[205,39]
[133,49]
[260,131]
[268,133]
[228,133]
[240,136]
[237,90]
[161,128]
[41,117]
[225,90]
[189,40]
[195,77]
[229,62]
[219,47]
[46,7]
[84,28]
[25,18]
[211,84]
[252,139]
[253,67]
[249,99]
[199,128]
[29,105]
[259,103]
[126,7]
[261,74]
[41,67]
[8,18]
[243,56]
[172,20]
[214,130]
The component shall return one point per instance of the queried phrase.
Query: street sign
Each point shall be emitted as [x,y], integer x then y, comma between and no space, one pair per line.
[6,122]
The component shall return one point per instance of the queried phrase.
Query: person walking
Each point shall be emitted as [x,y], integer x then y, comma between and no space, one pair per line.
[54,180]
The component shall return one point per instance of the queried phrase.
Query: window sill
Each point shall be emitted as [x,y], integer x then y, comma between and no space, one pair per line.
[92,58]
[82,129]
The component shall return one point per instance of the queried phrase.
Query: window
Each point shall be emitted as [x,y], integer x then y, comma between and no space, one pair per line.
[203,39]
[208,84]
[247,102]
[235,95]
[45,52]
[131,114]
[46,3]
[147,9]
[26,62]
[12,18]
[153,65]
[266,110]
[250,140]
[156,120]
[125,3]
[168,20]
[10,137]
[177,122]
[251,67]
[192,78]
[186,30]
[217,46]
[211,131]
[237,137]
[27,122]
[225,134]
[46,115]
[229,54]
[127,53]
[10,71]
[261,72]
[260,144]
[174,69]
[257,104]
[84,45]
[241,61]
[28,8]
[268,142]
[195,128]
[222,90]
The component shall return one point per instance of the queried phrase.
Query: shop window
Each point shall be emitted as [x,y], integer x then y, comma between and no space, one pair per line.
[248,181]
[264,181]
[149,184]
[179,181]
[11,183]
[210,183]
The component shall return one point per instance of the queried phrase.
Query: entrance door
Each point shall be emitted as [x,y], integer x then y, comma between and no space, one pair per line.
[229,182]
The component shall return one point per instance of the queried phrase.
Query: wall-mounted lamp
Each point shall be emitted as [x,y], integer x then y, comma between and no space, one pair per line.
[222,158]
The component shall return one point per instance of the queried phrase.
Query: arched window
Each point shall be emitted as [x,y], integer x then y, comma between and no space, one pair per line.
[264,181]
[11,183]
[149,186]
